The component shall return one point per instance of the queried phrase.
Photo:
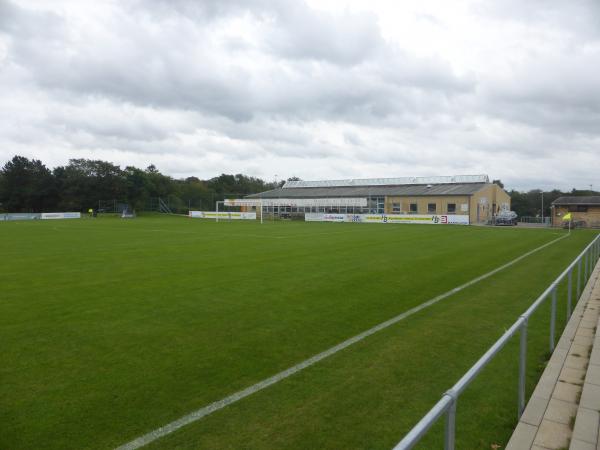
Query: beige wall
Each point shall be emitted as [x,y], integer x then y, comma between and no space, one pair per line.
[440,201]
[486,202]
[591,217]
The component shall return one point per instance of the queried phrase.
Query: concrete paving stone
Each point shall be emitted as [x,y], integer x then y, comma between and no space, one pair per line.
[586,426]
[560,411]
[548,380]
[593,374]
[595,356]
[590,397]
[576,362]
[566,392]
[583,340]
[552,435]
[585,332]
[587,323]
[570,329]
[534,411]
[555,364]
[571,375]
[576,444]
[581,350]
[544,389]
[564,344]
[523,437]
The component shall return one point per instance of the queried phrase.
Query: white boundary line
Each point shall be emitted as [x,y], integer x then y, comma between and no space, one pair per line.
[215,406]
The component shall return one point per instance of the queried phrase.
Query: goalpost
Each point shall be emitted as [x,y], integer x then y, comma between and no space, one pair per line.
[240,202]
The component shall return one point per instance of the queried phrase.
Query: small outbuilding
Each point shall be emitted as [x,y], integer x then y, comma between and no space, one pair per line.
[584,210]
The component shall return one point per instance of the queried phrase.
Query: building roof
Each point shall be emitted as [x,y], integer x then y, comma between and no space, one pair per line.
[581,200]
[412,190]
[388,181]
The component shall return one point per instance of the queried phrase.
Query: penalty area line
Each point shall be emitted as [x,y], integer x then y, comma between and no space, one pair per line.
[215,406]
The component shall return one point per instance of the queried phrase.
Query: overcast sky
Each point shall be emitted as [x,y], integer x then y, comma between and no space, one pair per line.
[318,89]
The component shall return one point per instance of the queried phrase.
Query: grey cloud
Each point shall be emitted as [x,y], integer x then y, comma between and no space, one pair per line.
[346,39]
[253,83]
[23,22]
[147,69]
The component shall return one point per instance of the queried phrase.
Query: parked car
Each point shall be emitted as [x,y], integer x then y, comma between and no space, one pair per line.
[505,218]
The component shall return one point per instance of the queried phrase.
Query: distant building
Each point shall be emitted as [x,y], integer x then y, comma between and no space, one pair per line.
[471,195]
[585,210]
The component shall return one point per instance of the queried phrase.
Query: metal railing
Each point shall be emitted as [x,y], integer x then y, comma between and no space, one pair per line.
[447,404]
[535,220]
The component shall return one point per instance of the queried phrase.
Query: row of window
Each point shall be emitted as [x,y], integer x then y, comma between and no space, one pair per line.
[374,206]
[578,208]
[431,208]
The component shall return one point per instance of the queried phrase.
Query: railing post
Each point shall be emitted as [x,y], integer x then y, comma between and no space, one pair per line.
[585,267]
[578,279]
[552,319]
[569,293]
[450,430]
[522,366]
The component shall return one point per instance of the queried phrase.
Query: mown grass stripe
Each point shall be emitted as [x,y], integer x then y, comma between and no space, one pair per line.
[233,398]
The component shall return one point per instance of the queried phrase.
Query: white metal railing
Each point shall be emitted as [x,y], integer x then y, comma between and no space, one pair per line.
[539,220]
[447,404]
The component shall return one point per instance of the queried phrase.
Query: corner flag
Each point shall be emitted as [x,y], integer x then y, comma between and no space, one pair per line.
[567,216]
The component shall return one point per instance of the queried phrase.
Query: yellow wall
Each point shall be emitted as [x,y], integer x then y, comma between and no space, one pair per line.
[422,202]
[491,198]
[486,202]
[591,217]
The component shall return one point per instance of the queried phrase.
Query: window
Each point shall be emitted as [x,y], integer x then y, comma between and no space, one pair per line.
[413,208]
[376,205]
[431,208]
[451,208]
[395,208]
[578,208]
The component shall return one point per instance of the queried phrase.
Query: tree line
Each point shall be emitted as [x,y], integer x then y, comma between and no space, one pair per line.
[27,185]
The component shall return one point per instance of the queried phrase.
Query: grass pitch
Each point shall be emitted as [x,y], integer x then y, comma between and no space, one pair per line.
[112,328]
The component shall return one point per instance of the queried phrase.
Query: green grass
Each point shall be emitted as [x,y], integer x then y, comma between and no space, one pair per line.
[111,328]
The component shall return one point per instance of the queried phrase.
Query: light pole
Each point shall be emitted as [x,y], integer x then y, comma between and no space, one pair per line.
[542,206]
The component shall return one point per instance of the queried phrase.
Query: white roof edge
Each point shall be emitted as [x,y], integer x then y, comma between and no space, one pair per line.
[389,181]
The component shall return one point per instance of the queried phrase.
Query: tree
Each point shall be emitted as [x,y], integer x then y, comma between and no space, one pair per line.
[137,186]
[84,182]
[26,186]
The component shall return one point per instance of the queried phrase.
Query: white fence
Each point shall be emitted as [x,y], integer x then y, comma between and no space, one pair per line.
[388,218]
[223,215]
[61,215]
[43,216]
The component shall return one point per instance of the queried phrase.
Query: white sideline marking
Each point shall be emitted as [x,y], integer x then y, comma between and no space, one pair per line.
[215,406]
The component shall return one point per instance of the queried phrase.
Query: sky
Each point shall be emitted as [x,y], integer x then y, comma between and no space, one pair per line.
[326,89]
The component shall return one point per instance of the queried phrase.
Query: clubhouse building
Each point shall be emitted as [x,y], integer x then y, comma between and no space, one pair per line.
[585,210]
[466,195]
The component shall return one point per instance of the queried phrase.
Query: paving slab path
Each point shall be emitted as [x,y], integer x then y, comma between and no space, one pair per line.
[564,409]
